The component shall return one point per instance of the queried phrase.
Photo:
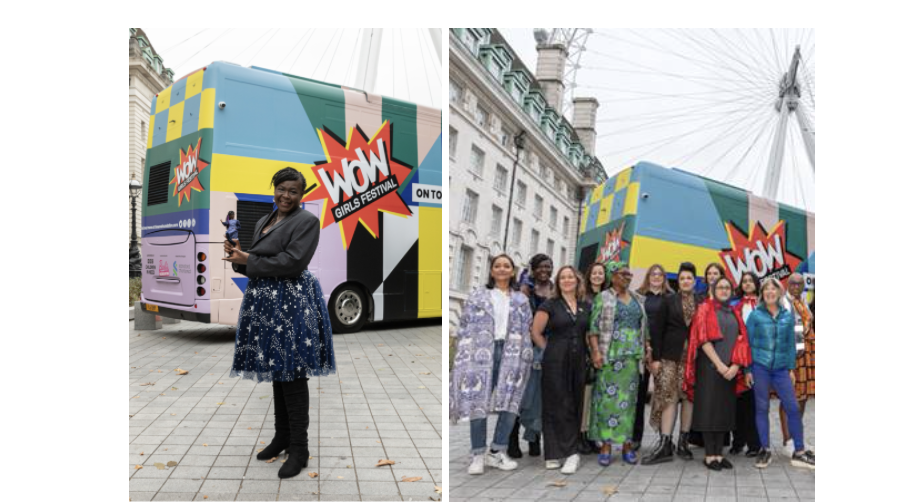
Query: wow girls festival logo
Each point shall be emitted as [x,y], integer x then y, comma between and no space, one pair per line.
[186,174]
[614,245]
[761,253]
[359,178]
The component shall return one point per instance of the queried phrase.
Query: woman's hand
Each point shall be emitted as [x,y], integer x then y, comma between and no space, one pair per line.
[656,367]
[731,372]
[237,256]
[597,359]
[749,380]
[793,378]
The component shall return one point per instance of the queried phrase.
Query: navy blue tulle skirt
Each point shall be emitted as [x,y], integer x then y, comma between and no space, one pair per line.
[284,332]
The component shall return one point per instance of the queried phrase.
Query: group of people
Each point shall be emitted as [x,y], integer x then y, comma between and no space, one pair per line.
[569,358]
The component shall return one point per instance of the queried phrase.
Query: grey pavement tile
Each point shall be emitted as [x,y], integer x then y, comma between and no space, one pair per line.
[339,497]
[375,474]
[259,487]
[626,497]
[338,474]
[182,485]
[338,487]
[220,486]
[144,485]
[141,496]
[298,497]
[198,460]
[234,473]
[382,498]
[232,461]
[422,487]
[189,472]
[256,497]
[299,487]
[652,497]
[378,488]
[688,497]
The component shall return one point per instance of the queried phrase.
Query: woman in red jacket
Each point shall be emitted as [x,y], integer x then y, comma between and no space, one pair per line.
[713,375]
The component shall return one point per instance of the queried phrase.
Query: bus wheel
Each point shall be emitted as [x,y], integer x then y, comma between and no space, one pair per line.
[348,309]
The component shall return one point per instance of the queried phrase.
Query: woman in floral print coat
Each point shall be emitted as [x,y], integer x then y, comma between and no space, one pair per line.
[492,364]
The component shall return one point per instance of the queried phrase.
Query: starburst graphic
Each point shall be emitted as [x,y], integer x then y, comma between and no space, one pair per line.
[358,179]
[614,245]
[186,173]
[763,253]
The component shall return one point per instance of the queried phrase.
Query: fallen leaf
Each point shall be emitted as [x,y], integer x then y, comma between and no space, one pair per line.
[380,344]
[273,459]
[205,497]
[159,466]
[308,458]
[142,453]
[220,404]
[159,371]
[136,397]
[204,444]
[366,427]
[180,371]
[339,477]
[558,484]
[259,450]
[146,384]
[426,373]
[139,466]
[438,490]
[379,442]
[163,337]
[348,467]
[162,394]
[220,383]
[196,353]
[172,414]
[164,449]
[263,397]
[262,442]
[313,474]
[249,428]
[608,491]
[384,462]
[407,479]
[171,463]
[173,388]
[421,386]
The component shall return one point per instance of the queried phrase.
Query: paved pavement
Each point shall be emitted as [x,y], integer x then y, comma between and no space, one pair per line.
[385,402]
[676,481]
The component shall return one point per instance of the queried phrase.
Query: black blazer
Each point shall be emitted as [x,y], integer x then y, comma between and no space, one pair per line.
[286,250]
[669,333]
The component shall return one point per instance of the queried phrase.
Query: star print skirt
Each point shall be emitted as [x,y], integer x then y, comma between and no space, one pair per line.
[284,331]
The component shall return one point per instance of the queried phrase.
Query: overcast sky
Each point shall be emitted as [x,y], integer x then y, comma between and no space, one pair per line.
[700,100]
[408,66]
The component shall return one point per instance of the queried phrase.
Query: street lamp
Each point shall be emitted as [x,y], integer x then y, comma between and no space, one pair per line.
[134,255]
[519,142]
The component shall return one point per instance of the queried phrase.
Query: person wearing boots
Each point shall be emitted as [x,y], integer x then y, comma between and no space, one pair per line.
[718,350]
[618,336]
[538,287]
[492,365]
[654,289]
[669,345]
[804,387]
[595,277]
[283,330]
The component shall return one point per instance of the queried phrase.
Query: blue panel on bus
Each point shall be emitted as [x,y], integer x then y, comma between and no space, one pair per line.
[178,92]
[431,167]
[190,114]
[160,124]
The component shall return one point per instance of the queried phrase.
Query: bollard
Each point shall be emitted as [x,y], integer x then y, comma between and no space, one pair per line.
[168,320]
[145,320]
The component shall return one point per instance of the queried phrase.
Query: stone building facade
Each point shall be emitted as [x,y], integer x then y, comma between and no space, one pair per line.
[511,150]
[146,77]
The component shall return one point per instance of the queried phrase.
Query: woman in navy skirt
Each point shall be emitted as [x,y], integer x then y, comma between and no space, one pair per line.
[283,333]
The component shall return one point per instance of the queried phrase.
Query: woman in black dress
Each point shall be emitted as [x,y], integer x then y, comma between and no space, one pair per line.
[560,328]
[654,289]
[718,351]
[283,332]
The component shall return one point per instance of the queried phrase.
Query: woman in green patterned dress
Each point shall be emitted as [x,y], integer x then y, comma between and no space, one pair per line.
[618,336]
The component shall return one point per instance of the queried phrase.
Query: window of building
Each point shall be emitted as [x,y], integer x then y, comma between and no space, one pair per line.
[480,117]
[563,255]
[553,217]
[566,226]
[455,91]
[499,182]
[545,172]
[144,130]
[516,232]
[550,248]
[539,206]
[469,210]
[558,183]
[505,138]
[496,222]
[535,238]
[461,274]
[477,161]
[452,142]
[522,195]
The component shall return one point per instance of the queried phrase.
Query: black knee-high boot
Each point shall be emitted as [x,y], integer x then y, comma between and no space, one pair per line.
[514,451]
[296,401]
[281,439]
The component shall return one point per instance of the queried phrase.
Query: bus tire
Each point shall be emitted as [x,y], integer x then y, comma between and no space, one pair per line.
[348,309]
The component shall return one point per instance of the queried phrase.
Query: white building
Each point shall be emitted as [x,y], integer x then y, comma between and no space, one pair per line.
[495,103]
[146,78]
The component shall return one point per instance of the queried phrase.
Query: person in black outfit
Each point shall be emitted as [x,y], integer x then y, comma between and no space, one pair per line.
[560,328]
[654,289]
[669,342]
[745,436]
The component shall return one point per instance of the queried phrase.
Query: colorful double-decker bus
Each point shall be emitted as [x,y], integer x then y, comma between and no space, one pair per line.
[648,214]
[373,167]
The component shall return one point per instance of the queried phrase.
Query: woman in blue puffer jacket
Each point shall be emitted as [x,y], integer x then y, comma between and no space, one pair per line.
[771,337]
